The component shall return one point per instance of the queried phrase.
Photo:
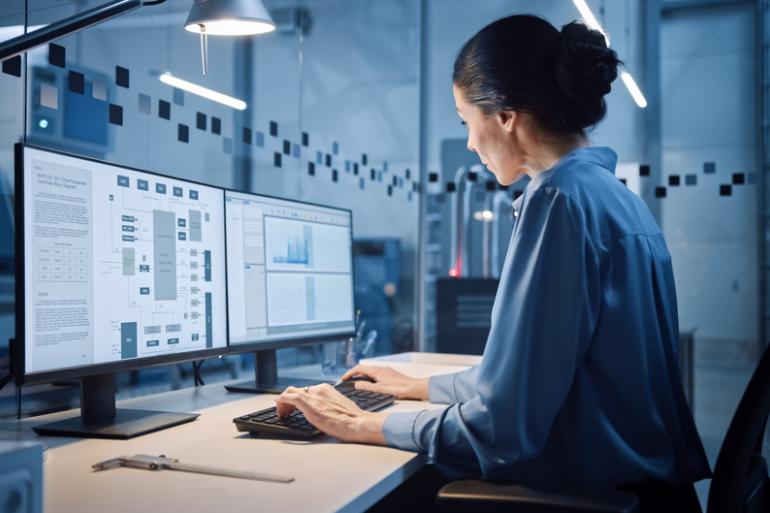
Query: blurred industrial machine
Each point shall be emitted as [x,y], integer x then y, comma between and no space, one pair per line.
[376,272]
[469,221]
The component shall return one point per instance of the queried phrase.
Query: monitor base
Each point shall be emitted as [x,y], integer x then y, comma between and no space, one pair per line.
[126,424]
[275,387]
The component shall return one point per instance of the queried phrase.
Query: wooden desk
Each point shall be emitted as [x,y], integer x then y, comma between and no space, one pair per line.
[329,476]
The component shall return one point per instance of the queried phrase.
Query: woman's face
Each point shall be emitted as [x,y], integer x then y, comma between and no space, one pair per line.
[493,138]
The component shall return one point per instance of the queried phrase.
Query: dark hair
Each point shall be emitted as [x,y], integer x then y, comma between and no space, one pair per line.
[522,63]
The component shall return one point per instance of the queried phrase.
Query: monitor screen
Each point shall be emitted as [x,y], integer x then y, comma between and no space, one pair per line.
[289,269]
[119,264]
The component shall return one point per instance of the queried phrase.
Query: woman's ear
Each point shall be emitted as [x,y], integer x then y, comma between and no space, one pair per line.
[507,119]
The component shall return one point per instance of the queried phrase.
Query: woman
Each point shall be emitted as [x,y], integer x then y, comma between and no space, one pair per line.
[579,382]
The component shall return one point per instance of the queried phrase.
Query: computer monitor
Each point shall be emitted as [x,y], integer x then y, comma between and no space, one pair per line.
[289,277]
[119,269]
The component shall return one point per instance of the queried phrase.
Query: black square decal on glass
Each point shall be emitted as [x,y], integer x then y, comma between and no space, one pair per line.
[246,135]
[408,174]
[725,190]
[216,125]
[739,179]
[121,76]
[12,66]
[372,174]
[395,180]
[644,170]
[335,175]
[385,166]
[336,148]
[451,187]
[660,192]
[277,159]
[328,160]
[57,55]
[311,168]
[691,179]
[164,109]
[390,190]
[305,139]
[286,147]
[77,82]
[673,181]
[274,129]
[432,177]
[415,186]
[355,168]
[116,114]
[200,121]
[364,160]
[183,133]
[709,168]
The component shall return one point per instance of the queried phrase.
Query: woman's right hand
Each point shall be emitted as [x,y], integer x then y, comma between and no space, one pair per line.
[389,381]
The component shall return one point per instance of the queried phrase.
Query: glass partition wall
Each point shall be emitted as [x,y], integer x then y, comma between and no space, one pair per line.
[331,117]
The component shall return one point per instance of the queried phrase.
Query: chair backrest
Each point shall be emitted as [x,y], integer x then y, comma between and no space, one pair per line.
[740,483]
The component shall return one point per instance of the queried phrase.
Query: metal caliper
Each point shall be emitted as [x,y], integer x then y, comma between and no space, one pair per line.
[145,462]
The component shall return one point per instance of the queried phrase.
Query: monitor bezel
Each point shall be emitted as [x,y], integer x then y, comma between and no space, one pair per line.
[18,348]
[259,345]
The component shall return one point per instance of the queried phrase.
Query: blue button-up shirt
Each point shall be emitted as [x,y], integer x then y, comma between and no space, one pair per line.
[579,382]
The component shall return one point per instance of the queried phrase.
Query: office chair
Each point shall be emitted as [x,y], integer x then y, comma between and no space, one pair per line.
[740,483]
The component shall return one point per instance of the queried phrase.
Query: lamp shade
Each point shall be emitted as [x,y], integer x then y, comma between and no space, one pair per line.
[229,17]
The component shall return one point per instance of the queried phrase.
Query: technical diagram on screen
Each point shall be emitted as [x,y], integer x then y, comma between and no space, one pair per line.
[119,264]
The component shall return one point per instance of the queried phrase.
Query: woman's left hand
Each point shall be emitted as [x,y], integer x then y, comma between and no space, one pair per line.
[333,413]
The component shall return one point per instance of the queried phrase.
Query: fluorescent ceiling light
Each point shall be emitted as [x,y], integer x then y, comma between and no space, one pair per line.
[589,18]
[633,89]
[169,79]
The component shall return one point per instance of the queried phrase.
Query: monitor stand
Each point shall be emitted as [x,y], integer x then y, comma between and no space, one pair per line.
[266,379]
[100,419]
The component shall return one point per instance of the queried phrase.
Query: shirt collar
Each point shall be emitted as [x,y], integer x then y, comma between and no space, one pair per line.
[600,156]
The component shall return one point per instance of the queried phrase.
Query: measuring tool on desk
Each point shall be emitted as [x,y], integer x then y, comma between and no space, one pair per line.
[145,462]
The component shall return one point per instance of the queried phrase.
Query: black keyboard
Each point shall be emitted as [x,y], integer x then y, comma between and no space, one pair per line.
[296,425]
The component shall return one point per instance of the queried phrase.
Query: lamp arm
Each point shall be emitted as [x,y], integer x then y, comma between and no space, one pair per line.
[75,23]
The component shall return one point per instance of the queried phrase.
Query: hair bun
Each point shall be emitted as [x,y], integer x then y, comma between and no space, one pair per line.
[585,67]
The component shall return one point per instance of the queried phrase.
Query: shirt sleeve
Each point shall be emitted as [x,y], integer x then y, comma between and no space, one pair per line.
[453,388]
[544,315]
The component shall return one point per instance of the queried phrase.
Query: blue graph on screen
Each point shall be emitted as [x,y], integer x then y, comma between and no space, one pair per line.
[298,249]
[296,252]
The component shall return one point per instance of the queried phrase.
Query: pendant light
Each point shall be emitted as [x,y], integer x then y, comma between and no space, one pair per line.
[227,18]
